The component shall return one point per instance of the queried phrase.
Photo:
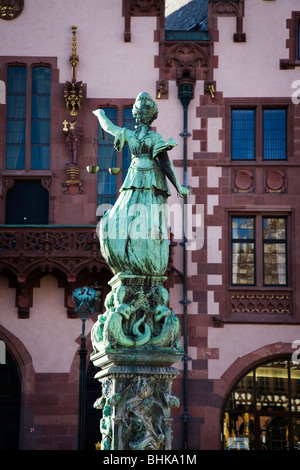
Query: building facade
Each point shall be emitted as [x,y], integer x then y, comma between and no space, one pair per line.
[225,78]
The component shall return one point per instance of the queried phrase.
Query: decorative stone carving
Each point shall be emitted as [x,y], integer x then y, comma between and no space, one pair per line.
[136,403]
[261,303]
[275,181]
[136,316]
[243,181]
[184,57]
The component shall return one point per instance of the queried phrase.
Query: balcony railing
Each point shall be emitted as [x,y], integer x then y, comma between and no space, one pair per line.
[69,248]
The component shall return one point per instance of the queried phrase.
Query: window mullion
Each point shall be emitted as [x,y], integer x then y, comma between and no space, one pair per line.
[258,133]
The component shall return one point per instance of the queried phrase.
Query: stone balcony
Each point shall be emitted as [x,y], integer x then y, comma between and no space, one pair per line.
[29,252]
[24,248]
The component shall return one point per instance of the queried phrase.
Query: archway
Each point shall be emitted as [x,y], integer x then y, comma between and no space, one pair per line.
[10,403]
[262,409]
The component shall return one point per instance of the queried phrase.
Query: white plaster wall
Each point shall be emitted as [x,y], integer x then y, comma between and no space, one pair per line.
[48,335]
[256,60]
[234,341]
[110,67]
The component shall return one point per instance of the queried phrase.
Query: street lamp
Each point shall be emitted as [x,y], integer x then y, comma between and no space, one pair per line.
[84,299]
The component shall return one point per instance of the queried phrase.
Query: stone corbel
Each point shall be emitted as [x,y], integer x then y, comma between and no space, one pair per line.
[69,300]
[23,298]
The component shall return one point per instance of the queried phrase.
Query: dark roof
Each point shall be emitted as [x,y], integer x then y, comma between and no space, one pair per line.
[190,17]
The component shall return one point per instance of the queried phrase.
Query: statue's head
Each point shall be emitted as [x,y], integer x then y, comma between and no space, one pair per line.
[144,110]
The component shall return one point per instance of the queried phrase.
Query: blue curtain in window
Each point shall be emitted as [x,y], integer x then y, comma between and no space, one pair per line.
[16,118]
[107,158]
[243,134]
[274,134]
[40,118]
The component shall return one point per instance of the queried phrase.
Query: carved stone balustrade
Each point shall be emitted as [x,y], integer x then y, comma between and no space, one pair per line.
[26,252]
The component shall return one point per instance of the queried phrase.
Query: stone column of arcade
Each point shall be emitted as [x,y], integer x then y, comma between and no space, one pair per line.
[136,340]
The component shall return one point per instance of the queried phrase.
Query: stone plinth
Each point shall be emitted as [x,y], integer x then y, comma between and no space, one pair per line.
[135,343]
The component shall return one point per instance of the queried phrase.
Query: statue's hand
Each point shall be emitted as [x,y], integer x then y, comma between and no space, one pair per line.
[99,112]
[184,191]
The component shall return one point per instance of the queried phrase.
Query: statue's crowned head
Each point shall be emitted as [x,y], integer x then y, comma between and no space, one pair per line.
[144,110]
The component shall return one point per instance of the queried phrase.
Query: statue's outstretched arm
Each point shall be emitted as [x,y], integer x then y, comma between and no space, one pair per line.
[106,123]
[169,170]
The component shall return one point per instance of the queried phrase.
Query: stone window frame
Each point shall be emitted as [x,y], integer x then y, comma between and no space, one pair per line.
[267,294]
[29,63]
[259,104]
[258,240]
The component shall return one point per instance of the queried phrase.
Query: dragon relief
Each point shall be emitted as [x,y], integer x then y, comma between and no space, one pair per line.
[134,318]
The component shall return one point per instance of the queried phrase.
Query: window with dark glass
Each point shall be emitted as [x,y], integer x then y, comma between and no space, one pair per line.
[27,203]
[40,118]
[259,133]
[24,111]
[265,415]
[246,265]
[274,134]
[243,134]
[108,157]
[16,117]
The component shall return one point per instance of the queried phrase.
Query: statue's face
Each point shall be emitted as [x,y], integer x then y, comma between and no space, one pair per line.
[144,110]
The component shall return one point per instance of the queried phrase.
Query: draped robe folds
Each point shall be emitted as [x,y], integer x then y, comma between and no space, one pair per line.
[134,234]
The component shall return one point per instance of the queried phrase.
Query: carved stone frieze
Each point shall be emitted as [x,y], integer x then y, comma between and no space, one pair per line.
[24,250]
[279,303]
[136,403]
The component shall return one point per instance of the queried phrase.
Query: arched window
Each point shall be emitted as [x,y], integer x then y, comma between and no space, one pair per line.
[262,411]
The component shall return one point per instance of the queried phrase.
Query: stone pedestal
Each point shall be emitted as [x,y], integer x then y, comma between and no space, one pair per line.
[135,343]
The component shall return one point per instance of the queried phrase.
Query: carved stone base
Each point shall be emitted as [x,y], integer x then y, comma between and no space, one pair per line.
[135,342]
[136,403]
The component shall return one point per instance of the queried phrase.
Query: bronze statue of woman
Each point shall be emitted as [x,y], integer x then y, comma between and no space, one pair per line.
[134,233]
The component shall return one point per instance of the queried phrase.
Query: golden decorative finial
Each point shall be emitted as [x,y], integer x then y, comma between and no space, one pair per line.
[74,57]
[73,90]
